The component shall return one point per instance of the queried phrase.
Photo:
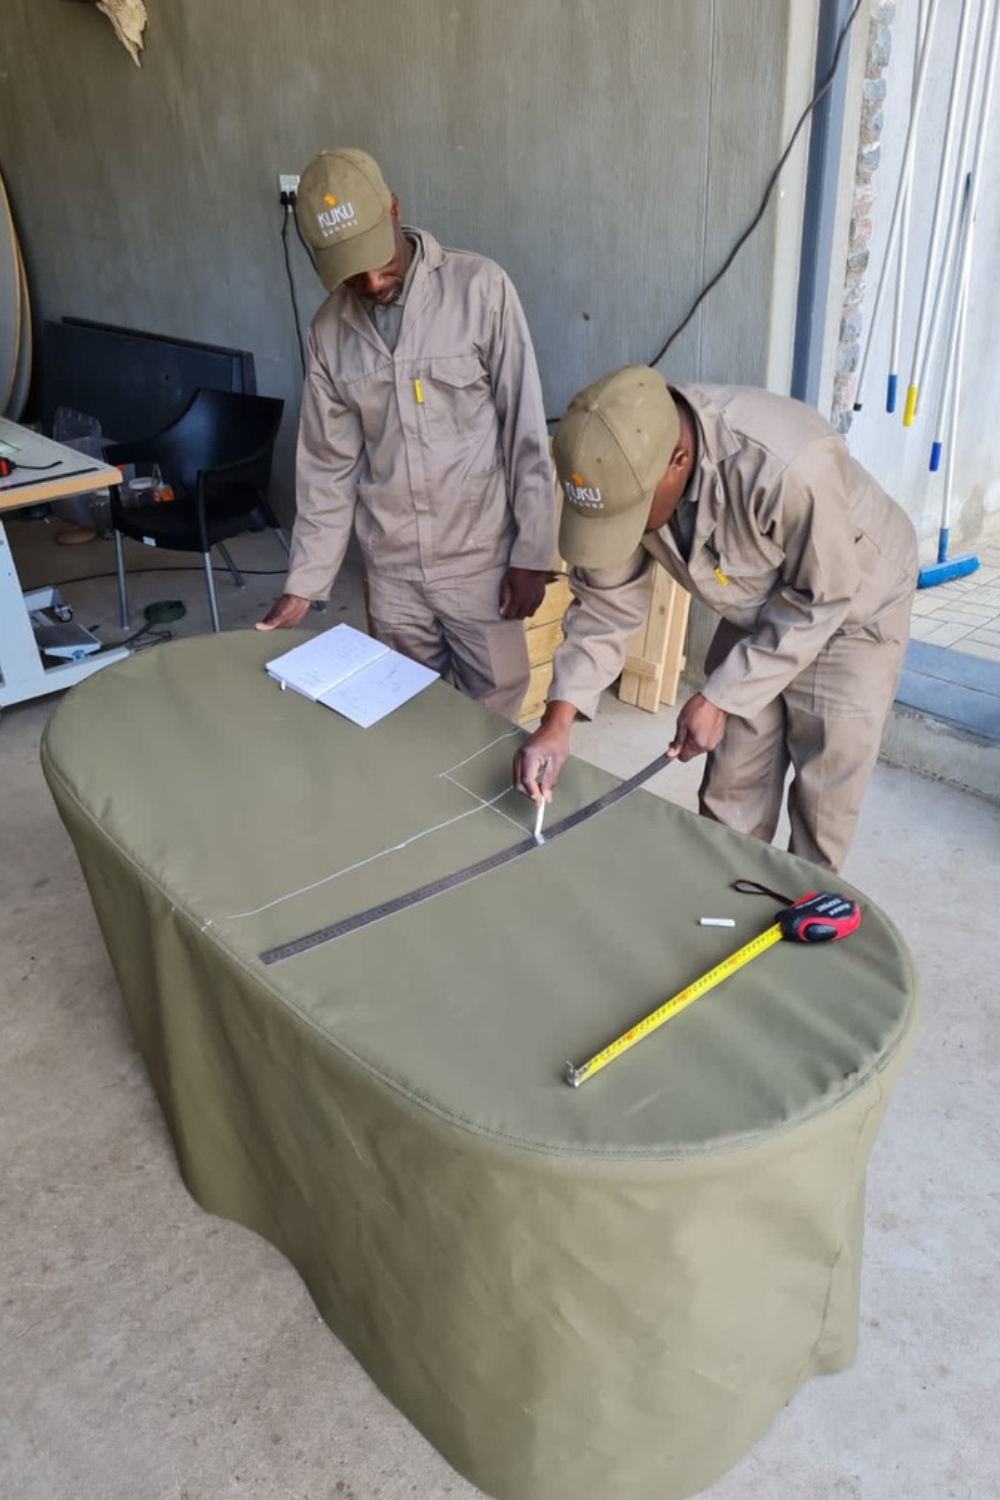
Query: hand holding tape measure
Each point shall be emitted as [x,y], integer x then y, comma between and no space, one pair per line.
[822,917]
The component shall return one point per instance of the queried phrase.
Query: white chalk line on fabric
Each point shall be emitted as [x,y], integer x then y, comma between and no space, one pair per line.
[484,805]
[476,753]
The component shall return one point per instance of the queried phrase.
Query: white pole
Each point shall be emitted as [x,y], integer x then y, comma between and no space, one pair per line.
[989,13]
[904,242]
[956,403]
[943,173]
[906,168]
[959,301]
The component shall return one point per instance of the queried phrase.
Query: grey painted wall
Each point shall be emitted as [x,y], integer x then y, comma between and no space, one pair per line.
[606,152]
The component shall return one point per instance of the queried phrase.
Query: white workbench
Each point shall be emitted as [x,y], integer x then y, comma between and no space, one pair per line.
[43,471]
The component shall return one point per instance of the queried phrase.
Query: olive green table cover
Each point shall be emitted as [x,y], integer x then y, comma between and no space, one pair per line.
[575,1294]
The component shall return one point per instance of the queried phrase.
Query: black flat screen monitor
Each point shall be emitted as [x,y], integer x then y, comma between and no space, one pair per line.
[134,383]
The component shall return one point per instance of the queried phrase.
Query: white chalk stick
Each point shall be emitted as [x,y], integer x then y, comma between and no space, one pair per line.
[539,815]
[716,922]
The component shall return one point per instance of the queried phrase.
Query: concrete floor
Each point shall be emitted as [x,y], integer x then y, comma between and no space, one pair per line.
[151,1352]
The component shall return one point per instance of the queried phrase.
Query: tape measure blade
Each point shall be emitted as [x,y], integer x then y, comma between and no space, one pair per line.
[672,1007]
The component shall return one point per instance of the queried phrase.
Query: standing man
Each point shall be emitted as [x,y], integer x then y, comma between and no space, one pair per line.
[754,505]
[423,428]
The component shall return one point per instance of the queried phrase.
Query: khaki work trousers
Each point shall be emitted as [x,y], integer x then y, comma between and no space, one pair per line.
[826,726]
[453,627]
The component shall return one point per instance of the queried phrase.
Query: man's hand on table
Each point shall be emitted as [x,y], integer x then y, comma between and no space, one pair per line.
[540,759]
[284,613]
[700,727]
[521,592]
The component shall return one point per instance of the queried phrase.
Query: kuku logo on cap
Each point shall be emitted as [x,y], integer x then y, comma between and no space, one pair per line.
[582,496]
[337,217]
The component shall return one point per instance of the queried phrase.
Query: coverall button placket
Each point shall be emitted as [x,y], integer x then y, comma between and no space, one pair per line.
[413,424]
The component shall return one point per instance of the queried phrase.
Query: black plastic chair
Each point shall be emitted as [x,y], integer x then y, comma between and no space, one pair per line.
[216,456]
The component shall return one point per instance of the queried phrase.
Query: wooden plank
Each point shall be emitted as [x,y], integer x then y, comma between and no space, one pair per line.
[543,640]
[558,598]
[655,657]
[538,686]
[647,649]
[11,310]
[676,659]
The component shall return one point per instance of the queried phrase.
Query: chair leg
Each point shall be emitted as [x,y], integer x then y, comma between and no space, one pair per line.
[238,578]
[213,607]
[120,568]
[282,540]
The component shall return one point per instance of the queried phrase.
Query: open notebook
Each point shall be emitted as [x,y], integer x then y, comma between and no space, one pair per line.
[351,673]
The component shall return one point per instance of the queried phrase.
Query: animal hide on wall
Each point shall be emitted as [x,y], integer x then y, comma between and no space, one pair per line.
[129,18]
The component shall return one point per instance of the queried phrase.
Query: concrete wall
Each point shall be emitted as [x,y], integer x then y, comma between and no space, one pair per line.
[606,152]
[898,456]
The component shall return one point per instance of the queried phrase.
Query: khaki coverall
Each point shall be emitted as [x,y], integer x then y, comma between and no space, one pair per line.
[436,453]
[813,569]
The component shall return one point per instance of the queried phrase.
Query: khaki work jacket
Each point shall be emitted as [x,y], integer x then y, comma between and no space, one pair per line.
[436,453]
[793,543]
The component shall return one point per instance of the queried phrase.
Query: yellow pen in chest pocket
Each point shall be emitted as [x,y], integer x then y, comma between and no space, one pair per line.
[418,391]
[717,566]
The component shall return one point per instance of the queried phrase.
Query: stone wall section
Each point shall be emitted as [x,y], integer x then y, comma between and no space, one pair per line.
[849,344]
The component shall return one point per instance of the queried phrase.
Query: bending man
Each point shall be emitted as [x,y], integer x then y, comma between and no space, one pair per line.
[754,505]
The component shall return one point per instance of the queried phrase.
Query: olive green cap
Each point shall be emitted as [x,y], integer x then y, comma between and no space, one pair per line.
[611,450]
[344,211]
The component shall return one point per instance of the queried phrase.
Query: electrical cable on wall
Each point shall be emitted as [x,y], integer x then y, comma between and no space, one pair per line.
[823,89]
[287,211]
[303,241]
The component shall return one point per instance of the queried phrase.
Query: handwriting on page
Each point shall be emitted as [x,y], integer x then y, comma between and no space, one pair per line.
[387,683]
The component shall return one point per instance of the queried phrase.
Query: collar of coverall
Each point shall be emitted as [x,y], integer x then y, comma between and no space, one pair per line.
[417,247]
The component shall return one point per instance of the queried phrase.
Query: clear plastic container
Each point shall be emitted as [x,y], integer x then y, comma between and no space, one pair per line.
[143,484]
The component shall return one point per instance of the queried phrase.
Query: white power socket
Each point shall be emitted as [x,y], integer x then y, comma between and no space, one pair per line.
[287,183]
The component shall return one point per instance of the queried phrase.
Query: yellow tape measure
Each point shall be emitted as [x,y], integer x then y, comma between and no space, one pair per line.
[673,1006]
[819,918]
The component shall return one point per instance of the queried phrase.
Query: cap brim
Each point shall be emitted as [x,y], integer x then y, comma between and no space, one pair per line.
[369,251]
[596,541]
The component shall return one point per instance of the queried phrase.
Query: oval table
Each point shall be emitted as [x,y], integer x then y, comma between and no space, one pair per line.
[575,1294]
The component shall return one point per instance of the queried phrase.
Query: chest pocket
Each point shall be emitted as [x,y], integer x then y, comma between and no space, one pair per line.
[738,584]
[460,411]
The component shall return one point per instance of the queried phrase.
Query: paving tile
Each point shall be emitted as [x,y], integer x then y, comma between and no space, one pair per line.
[964,614]
[942,633]
[987,636]
[921,628]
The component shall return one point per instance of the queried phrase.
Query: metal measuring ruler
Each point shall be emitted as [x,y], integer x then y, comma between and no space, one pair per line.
[395,904]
